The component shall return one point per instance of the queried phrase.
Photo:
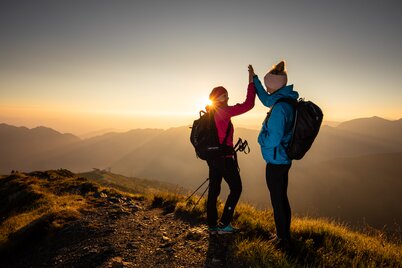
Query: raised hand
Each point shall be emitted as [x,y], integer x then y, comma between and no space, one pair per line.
[250,73]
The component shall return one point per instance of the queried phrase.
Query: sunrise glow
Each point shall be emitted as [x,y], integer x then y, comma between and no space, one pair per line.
[156,67]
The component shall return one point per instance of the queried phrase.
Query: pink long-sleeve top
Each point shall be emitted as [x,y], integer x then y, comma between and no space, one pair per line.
[223,115]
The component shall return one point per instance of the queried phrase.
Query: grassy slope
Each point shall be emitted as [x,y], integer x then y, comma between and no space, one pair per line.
[316,242]
[27,198]
[128,184]
[36,206]
[40,203]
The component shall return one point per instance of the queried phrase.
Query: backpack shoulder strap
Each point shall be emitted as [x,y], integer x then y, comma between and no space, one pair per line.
[290,101]
[293,103]
[227,133]
[230,125]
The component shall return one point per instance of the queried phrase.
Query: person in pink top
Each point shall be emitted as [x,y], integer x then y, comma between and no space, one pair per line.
[225,167]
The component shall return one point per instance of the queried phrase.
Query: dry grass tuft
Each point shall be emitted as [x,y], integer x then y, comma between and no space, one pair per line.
[28,199]
[40,203]
[315,242]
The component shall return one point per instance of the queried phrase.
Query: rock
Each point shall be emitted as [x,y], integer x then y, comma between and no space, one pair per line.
[166,245]
[133,207]
[169,250]
[93,250]
[165,238]
[141,225]
[124,211]
[100,204]
[132,245]
[195,234]
[117,262]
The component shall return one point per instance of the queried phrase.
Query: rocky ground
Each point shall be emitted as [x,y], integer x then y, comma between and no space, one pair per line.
[58,219]
[122,232]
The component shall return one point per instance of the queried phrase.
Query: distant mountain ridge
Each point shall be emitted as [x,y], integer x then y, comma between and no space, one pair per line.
[167,155]
[18,144]
[375,127]
[98,151]
[40,130]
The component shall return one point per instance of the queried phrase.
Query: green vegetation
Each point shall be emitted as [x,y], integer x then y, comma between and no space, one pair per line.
[315,242]
[28,199]
[126,184]
[38,204]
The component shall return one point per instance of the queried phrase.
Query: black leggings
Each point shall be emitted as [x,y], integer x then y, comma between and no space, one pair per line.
[277,181]
[226,168]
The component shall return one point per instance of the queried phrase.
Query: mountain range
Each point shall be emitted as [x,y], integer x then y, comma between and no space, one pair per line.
[352,172]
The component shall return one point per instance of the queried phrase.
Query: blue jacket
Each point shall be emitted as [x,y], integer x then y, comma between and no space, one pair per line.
[275,134]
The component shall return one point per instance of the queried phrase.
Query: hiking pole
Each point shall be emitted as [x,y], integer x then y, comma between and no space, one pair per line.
[200,197]
[197,190]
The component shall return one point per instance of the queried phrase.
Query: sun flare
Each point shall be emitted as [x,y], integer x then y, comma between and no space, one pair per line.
[203,103]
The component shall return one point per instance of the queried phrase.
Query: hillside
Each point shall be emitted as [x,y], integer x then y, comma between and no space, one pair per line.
[43,148]
[359,190]
[317,184]
[59,219]
[128,184]
[336,142]
[375,127]
[96,152]
[20,145]
[168,156]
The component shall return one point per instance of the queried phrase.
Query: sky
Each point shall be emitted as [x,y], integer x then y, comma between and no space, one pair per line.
[82,66]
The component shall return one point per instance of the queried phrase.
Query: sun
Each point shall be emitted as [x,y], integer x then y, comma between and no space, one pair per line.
[202,103]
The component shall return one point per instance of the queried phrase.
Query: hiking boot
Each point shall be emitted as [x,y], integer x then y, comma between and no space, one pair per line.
[284,245]
[228,229]
[213,229]
[281,244]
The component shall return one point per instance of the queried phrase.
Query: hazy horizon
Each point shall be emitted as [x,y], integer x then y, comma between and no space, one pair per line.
[100,131]
[351,172]
[82,67]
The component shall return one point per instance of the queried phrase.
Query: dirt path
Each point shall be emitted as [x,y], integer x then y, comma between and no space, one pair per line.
[128,233]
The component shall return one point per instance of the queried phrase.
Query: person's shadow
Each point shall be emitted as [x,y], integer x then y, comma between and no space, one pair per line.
[220,250]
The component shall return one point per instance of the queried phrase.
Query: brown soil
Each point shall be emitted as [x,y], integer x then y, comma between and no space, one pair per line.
[121,232]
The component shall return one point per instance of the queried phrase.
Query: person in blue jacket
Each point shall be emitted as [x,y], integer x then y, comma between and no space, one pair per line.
[274,137]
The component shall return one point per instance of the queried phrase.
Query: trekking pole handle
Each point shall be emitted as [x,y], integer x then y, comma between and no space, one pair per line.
[242,146]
